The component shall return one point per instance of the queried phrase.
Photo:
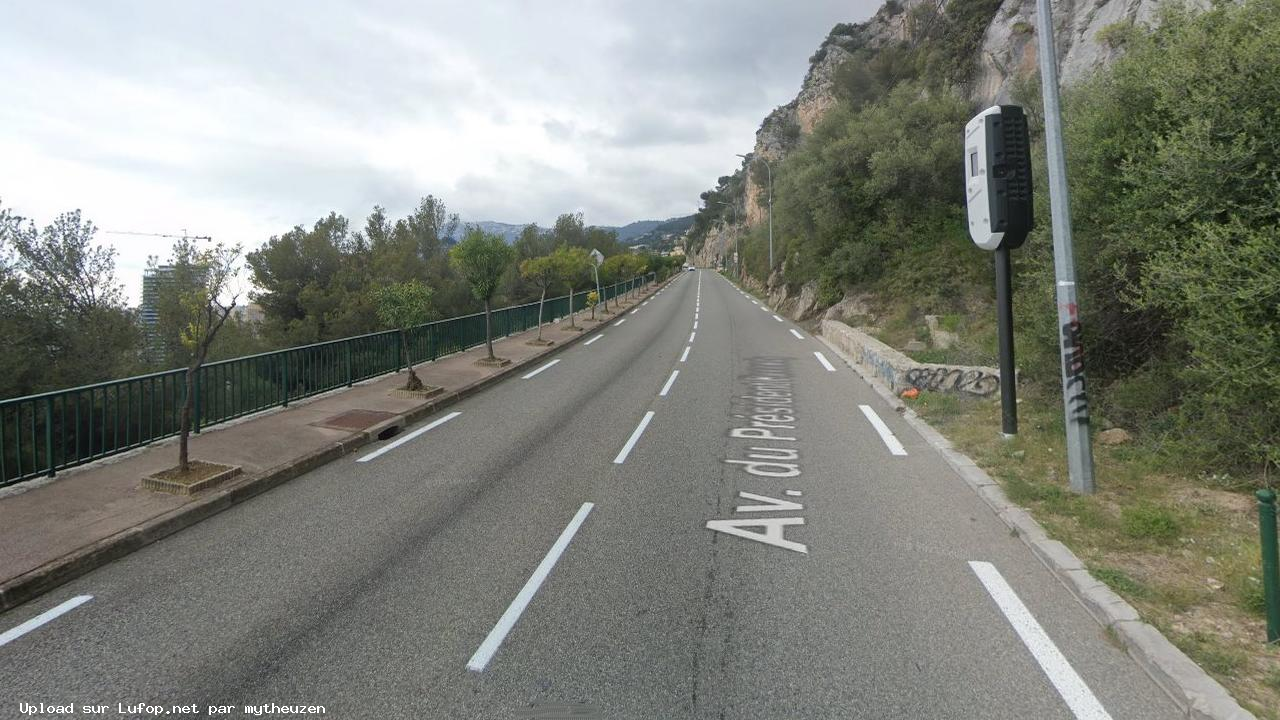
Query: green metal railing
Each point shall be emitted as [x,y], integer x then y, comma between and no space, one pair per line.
[41,434]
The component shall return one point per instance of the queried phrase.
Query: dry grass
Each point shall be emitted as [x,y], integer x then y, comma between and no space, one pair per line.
[1184,554]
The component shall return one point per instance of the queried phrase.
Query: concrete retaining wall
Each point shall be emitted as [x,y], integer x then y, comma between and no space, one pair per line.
[900,372]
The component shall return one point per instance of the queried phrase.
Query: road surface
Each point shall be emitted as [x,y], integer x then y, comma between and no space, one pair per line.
[702,513]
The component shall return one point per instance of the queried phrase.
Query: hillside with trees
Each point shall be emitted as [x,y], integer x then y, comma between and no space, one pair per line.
[64,319]
[1173,161]
[1173,158]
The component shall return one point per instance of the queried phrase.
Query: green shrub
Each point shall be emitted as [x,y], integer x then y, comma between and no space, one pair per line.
[1174,157]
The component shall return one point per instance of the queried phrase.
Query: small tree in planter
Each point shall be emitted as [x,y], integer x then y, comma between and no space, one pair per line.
[201,276]
[402,306]
[593,299]
[541,271]
[611,271]
[482,259]
[573,267]
[635,266]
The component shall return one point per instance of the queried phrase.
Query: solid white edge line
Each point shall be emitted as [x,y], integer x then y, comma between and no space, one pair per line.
[12,634]
[1065,680]
[890,440]
[825,362]
[493,640]
[635,437]
[393,445]
[544,367]
[670,381]
[593,340]
[797,334]
[685,355]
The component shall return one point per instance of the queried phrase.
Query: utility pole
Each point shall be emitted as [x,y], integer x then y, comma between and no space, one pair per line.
[1075,401]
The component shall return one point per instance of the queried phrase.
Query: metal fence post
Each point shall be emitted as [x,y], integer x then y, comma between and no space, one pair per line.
[195,415]
[48,432]
[284,377]
[347,348]
[1270,561]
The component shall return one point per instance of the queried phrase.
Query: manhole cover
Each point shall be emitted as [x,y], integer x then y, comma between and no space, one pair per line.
[354,419]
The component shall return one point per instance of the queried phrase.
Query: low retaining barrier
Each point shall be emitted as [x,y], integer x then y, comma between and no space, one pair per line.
[900,372]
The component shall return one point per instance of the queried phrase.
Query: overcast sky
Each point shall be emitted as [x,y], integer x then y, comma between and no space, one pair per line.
[242,119]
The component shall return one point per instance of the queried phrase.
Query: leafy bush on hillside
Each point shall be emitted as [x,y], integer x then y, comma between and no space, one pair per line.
[1175,162]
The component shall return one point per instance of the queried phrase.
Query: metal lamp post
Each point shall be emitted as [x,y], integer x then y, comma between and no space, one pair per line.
[768,170]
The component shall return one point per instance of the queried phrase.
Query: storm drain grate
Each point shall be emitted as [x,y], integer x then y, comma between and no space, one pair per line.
[354,419]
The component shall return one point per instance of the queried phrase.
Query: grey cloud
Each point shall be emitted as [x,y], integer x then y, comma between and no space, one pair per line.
[643,128]
[653,98]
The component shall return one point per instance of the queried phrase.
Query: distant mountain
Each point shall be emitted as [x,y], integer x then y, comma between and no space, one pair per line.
[640,232]
[663,236]
[635,229]
[509,232]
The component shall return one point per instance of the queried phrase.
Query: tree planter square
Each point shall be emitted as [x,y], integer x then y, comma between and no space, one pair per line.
[202,476]
[426,392]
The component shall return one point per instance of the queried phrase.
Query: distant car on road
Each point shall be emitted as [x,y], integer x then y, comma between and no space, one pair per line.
[690,268]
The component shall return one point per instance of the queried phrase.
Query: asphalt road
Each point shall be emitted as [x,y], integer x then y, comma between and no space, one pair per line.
[535,555]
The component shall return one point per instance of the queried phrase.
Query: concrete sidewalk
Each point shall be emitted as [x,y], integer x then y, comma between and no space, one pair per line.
[53,531]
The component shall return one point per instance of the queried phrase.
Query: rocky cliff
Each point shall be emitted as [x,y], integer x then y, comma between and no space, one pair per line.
[1008,54]
[1010,49]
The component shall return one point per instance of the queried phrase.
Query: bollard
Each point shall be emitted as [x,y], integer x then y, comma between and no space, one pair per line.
[1270,561]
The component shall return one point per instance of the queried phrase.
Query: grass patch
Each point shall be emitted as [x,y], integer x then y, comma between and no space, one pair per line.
[1147,521]
[1210,654]
[1121,582]
[1272,680]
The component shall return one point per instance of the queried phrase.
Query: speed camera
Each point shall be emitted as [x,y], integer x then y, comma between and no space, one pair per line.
[997,167]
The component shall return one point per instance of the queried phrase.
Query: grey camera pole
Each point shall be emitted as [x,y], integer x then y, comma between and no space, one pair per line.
[1075,402]
[1004,314]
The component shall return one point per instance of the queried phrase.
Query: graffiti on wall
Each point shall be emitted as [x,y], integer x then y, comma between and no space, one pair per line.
[974,381]
[881,367]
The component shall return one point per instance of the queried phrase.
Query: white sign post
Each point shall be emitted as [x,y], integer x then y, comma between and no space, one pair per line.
[596,259]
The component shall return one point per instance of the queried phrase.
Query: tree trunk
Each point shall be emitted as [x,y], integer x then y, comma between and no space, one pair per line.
[571,307]
[184,421]
[488,334]
[188,410]
[541,300]
[414,383]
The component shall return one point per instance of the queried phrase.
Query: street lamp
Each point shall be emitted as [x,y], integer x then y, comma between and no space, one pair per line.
[769,170]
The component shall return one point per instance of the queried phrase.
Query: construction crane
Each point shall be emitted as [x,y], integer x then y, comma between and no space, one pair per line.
[183,236]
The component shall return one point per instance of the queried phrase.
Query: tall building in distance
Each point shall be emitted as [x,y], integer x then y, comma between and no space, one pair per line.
[153,280]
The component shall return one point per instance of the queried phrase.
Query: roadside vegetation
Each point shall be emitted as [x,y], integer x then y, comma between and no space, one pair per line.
[1174,162]
[64,320]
